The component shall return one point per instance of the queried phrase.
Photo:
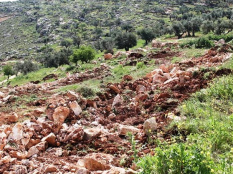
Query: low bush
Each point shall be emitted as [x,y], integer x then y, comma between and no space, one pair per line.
[203,43]
[227,37]
[25,67]
[177,158]
[188,44]
[86,92]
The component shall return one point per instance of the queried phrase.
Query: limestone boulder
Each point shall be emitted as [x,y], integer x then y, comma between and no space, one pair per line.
[74,106]
[59,116]
[125,129]
[91,133]
[97,161]
[51,139]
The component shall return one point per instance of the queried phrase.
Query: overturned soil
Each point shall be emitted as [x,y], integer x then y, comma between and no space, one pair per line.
[84,129]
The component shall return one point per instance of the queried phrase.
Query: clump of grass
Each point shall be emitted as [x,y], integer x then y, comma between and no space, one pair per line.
[176,59]
[140,65]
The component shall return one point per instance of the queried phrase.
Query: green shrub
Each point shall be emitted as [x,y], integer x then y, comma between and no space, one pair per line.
[83,54]
[8,71]
[227,37]
[203,43]
[177,159]
[121,70]
[86,92]
[70,68]
[25,67]
[188,44]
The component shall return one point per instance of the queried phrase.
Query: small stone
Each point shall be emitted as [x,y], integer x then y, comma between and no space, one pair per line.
[17,132]
[117,100]
[50,168]
[32,151]
[18,155]
[60,114]
[82,171]
[72,95]
[91,133]
[20,169]
[58,152]
[108,56]
[150,125]
[37,112]
[51,139]
[175,118]
[97,161]
[115,89]
[12,118]
[125,129]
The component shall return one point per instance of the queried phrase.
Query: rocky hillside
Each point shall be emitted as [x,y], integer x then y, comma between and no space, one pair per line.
[43,131]
[154,94]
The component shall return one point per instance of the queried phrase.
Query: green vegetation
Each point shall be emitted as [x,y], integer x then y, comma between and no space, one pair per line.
[8,71]
[202,42]
[126,41]
[146,34]
[53,36]
[177,158]
[37,75]
[83,54]
[204,141]
[25,67]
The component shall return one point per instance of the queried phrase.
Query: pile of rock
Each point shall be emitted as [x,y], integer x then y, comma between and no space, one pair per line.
[25,144]
[169,74]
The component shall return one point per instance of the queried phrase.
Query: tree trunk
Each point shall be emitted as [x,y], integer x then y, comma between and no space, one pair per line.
[193,33]
[126,49]
[189,35]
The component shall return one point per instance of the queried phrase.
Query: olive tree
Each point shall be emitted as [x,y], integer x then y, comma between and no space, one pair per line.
[83,54]
[146,34]
[8,71]
[125,40]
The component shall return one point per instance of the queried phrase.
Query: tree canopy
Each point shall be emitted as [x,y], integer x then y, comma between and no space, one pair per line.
[83,54]
[125,40]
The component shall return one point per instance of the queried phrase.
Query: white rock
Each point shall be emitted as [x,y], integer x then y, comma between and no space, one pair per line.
[124,129]
[17,132]
[75,108]
[150,125]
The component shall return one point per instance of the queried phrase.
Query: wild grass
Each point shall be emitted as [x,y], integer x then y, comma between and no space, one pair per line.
[87,88]
[37,75]
[204,143]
